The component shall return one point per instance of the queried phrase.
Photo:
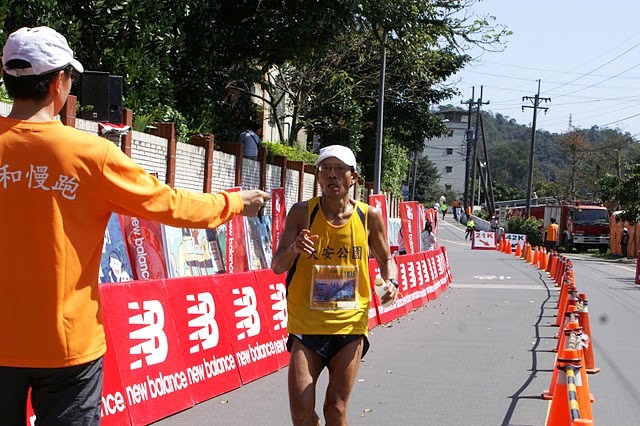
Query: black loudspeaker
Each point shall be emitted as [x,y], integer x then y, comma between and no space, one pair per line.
[100,97]
[115,99]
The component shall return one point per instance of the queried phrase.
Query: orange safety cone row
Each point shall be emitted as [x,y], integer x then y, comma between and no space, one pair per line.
[571,325]
[567,285]
[570,404]
[585,323]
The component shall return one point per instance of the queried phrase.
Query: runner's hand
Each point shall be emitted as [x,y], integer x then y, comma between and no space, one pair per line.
[304,242]
[254,200]
[392,293]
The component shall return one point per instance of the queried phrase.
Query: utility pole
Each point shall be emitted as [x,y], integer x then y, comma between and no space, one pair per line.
[488,182]
[377,172]
[536,106]
[469,140]
[474,149]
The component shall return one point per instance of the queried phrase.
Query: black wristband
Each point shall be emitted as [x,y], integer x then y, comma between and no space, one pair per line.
[394,282]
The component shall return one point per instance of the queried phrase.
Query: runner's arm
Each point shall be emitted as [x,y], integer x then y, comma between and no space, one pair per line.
[379,244]
[295,239]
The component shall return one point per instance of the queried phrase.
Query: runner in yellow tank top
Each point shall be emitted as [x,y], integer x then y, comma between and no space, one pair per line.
[325,249]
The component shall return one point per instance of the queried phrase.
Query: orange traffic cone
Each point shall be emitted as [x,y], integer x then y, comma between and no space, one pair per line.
[508,247]
[533,256]
[543,259]
[550,263]
[518,250]
[585,323]
[569,405]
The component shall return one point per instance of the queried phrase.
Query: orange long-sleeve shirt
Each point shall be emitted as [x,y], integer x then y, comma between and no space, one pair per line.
[58,187]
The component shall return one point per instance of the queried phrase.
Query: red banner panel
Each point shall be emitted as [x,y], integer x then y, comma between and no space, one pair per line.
[278,216]
[114,409]
[412,280]
[203,333]
[146,346]
[374,318]
[379,201]
[273,292]
[410,218]
[256,349]
[145,247]
[236,260]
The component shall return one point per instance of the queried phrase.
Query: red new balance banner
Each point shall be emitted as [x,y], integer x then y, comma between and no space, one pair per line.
[237,260]
[175,342]
[145,247]
[278,215]
[144,341]
[113,410]
[255,348]
[374,271]
[273,293]
[379,201]
[203,333]
[409,216]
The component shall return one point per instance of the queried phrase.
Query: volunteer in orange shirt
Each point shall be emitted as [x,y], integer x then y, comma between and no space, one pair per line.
[551,239]
[58,187]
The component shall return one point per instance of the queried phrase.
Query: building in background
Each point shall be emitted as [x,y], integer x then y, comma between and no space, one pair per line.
[449,152]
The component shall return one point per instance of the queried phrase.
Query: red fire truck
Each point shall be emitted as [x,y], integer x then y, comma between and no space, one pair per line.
[583,225]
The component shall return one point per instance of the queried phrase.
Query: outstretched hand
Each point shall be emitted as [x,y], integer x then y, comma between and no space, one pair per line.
[304,242]
[254,200]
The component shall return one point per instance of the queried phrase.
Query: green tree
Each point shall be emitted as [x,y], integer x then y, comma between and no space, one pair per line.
[427,181]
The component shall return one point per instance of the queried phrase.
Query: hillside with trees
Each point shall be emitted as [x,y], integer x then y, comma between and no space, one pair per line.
[578,164]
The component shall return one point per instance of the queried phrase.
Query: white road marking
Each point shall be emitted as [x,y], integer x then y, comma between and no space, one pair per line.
[500,286]
[625,268]
[491,277]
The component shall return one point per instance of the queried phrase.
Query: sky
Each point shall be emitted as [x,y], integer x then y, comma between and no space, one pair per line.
[586,55]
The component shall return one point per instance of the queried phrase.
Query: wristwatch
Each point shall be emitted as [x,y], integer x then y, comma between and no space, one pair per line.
[393,281]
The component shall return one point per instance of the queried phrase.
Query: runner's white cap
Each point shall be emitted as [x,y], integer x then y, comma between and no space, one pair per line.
[340,152]
[44,48]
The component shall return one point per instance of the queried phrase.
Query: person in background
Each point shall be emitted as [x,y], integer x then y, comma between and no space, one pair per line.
[471,226]
[62,185]
[327,240]
[251,141]
[624,242]
[401,247]
[427,237]
[455,205]
[494,224]
[443,209]
[551,235]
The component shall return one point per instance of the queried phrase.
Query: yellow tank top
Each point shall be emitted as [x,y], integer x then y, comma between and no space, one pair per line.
[328,292]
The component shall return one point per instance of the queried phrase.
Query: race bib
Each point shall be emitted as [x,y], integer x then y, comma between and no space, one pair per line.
[334,287]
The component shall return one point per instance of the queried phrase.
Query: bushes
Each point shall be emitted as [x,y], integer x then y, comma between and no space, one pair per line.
[532,227]
[291,153]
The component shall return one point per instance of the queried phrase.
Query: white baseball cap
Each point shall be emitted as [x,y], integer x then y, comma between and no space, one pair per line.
[340,152]
[44,48]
